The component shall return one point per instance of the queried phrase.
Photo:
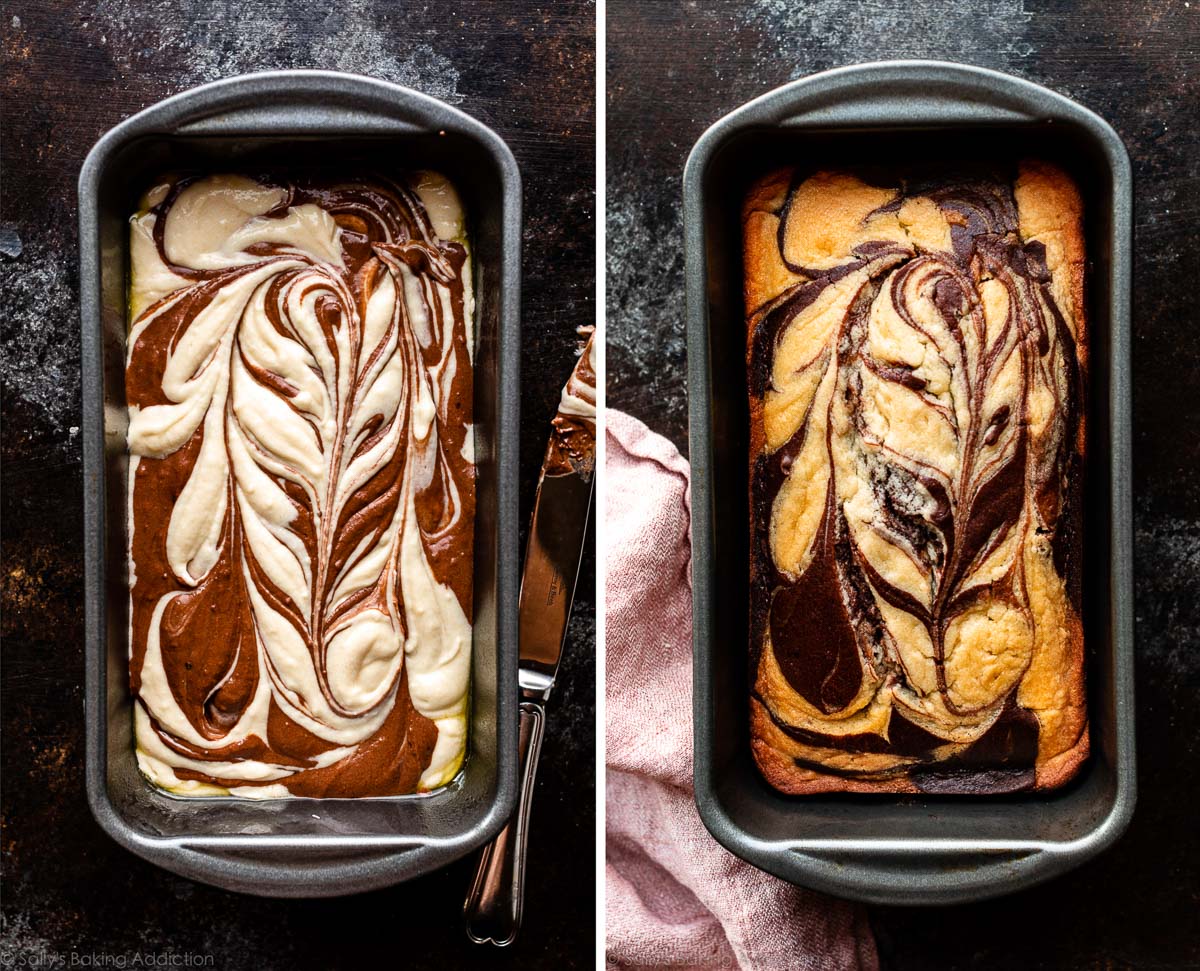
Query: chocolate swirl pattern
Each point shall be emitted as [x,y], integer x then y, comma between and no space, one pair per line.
[916,357]
[299,382]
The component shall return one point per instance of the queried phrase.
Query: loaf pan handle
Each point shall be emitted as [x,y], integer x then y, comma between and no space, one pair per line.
[913,107]
[928,876]
[903,93]
[297,871]
[302,102]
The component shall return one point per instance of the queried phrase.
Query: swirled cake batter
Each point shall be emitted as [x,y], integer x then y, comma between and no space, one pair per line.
[302,484]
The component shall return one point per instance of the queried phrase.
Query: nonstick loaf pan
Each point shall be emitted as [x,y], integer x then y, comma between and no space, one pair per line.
[301,847]
[911,849]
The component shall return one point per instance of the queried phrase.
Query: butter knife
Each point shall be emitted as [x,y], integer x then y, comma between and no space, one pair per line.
[556,536]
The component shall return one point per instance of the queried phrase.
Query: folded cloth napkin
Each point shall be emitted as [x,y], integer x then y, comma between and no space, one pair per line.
[675,897]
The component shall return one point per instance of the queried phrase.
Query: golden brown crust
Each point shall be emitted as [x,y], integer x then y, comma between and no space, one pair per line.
[765,274]
[1050,686]
[762,277]
[776,755]
[1051,212]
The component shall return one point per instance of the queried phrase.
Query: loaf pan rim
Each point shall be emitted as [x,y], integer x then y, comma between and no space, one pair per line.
[1019,100]
[323,105]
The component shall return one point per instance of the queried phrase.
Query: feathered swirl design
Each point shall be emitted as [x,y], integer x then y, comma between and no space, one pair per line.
[299,383]
[914,386]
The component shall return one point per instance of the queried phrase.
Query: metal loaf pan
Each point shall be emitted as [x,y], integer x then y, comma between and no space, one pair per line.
[301,847]
[881,849]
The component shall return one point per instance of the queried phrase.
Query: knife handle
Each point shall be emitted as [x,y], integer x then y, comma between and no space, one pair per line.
[497,895]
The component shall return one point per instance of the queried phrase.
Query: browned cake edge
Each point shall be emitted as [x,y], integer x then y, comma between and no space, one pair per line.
[1050,205]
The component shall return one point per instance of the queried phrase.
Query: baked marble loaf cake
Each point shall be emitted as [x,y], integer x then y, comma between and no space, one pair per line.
[916,353]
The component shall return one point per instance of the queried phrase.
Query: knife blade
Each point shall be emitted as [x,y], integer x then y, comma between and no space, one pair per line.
[557,533]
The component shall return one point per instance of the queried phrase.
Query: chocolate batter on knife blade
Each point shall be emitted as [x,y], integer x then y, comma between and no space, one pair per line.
[572,445]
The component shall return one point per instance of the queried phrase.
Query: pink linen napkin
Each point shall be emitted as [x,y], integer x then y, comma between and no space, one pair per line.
[675,897]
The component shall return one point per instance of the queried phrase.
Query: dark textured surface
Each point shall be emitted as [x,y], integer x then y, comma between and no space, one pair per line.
[673,69]
[72,70]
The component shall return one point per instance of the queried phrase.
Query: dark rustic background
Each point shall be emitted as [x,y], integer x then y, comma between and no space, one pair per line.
[72,69]
[674,69]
